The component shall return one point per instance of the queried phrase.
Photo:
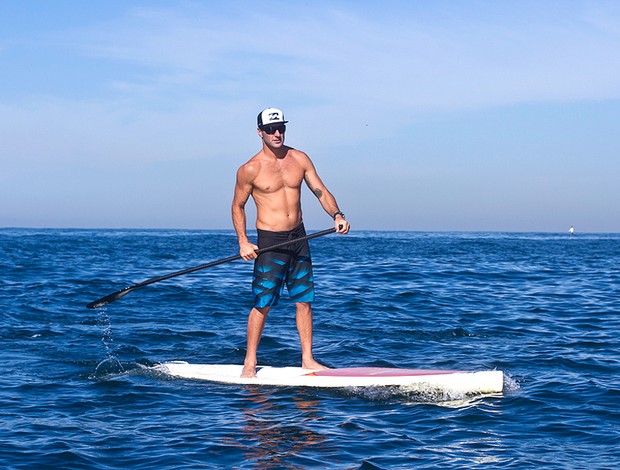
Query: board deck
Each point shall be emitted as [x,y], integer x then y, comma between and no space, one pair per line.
[451,380]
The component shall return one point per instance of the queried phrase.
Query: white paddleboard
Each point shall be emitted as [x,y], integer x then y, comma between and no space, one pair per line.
[418,379]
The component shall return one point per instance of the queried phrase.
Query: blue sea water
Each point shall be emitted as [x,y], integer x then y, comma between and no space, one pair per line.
[77,390]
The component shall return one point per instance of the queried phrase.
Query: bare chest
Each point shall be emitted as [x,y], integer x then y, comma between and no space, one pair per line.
[276,176]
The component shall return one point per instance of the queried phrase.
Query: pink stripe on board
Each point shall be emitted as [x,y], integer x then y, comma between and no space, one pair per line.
[378,372]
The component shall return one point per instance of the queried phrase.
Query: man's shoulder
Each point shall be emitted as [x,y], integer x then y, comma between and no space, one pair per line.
[299,155]
[250,168]
[294,151]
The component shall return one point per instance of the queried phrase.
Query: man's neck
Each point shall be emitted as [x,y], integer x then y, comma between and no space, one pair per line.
[278,153]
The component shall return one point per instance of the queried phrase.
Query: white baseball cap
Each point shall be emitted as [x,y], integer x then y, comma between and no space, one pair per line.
[270,116]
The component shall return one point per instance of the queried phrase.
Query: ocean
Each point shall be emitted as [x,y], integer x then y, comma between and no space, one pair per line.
[77,388]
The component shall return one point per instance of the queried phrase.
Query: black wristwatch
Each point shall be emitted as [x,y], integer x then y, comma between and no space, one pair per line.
[340,214]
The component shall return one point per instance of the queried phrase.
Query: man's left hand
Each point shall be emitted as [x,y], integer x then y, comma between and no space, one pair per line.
[342,226]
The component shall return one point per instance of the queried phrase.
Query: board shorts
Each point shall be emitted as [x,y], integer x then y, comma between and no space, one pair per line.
[290,265]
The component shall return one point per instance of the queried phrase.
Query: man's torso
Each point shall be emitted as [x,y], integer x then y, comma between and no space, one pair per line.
[276,190]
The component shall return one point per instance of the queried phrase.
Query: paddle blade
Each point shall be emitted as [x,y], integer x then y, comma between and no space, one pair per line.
[108,299]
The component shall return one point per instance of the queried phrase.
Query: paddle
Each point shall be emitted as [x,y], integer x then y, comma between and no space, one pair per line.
[117,295]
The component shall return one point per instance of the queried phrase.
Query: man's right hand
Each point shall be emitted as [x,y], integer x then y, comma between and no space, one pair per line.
[247,251]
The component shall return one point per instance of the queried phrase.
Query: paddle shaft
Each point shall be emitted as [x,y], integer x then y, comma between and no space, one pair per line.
[117,295]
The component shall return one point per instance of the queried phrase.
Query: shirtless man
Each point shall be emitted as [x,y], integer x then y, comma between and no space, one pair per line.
[273,178]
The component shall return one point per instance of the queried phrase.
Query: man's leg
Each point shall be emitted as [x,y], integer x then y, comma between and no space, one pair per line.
[256,324]
[304,326]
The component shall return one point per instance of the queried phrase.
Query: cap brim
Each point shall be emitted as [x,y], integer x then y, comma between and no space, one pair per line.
[272,123]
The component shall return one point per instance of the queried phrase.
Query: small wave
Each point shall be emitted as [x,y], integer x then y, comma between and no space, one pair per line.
[111,368]
[419,394]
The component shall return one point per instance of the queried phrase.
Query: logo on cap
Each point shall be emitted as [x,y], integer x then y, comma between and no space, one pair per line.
[270,116]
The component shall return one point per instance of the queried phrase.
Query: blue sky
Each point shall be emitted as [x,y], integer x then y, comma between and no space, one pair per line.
[443,115]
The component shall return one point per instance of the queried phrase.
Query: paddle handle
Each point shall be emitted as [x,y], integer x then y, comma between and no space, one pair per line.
[117,295]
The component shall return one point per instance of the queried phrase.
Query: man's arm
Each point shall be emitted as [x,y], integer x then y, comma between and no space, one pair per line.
[327,199]
[243,189]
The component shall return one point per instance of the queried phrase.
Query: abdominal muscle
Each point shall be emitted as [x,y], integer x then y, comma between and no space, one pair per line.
[278,211]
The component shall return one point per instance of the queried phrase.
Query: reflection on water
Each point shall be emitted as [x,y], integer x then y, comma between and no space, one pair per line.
[273,431]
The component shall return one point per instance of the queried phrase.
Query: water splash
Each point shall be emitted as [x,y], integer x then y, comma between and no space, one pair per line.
[110,366]
[510,384]
[418,394]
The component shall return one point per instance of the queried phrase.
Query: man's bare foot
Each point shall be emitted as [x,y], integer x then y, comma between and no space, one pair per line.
[248,372]
[313,365]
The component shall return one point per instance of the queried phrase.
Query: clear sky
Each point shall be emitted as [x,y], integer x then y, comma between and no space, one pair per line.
[419,115]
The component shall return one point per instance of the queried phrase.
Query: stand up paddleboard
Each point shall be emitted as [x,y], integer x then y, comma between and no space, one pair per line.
[448,380]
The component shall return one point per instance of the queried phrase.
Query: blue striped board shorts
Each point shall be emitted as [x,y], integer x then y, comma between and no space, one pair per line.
[290,265]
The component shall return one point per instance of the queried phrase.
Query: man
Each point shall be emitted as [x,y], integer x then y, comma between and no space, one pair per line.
[273,178]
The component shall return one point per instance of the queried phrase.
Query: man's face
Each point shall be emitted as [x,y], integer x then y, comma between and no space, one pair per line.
[273,135]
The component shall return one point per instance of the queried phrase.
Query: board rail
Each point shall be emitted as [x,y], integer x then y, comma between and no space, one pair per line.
[464,382]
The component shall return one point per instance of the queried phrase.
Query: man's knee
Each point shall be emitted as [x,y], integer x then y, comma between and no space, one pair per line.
[303,307]
[263,311]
